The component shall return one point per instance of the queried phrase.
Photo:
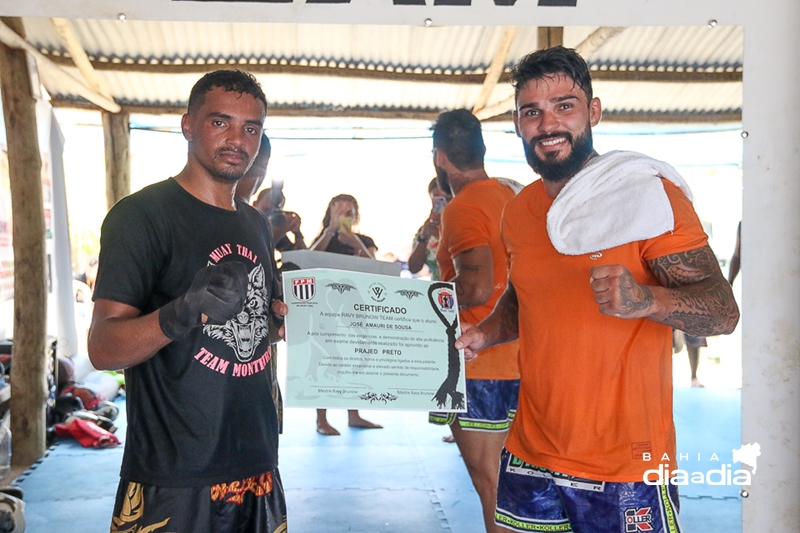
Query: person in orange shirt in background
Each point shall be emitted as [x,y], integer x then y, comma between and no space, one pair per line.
[593,321]
[472,256]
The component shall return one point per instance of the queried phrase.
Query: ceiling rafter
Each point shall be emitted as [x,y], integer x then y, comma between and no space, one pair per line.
[79,57]
[621,73]
[496,69]
[50,70]
[549,37]
[275,110]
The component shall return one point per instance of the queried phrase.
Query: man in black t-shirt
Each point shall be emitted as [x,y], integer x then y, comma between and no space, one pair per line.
[186,293]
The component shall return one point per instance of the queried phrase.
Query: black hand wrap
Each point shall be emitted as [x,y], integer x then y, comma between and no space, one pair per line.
[218,291]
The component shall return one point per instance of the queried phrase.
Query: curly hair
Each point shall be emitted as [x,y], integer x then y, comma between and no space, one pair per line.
[552,62]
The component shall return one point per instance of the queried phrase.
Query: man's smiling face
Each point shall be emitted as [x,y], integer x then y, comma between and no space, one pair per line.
[554,120]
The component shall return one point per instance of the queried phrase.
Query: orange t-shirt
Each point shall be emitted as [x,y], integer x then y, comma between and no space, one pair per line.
[596,391]
[472,219]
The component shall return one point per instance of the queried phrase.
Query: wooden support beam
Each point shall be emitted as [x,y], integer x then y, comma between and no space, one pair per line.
[418,114]
[597,39]
[117,140]
[52,73]
[668,74]
[496,68]
[548,37]
[116,131]
[28,373]
[79,57]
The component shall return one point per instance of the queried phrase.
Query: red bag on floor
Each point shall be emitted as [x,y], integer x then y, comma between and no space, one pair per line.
[89,434]
[90,399]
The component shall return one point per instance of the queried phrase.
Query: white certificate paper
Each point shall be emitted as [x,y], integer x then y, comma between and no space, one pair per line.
[359,340]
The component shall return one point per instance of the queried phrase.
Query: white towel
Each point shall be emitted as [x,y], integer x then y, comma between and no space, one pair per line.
[617,198]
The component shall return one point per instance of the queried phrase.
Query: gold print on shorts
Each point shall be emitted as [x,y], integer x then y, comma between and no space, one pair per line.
[234,492]
[281,528]
[132,510]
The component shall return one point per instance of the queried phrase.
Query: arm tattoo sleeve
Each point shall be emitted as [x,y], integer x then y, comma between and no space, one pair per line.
[702,302]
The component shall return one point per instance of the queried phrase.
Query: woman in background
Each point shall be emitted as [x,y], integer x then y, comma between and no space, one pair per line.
[337,236]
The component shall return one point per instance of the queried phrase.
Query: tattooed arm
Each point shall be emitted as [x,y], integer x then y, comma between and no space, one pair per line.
[474,276]
[693,296]
[499,327]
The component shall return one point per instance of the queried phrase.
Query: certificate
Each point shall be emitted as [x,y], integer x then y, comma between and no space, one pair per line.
[358,340]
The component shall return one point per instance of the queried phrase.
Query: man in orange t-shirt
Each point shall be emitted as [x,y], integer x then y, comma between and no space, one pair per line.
[471,254]
[594,323]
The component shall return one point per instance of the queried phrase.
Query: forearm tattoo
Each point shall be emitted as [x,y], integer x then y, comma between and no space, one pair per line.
[702,300]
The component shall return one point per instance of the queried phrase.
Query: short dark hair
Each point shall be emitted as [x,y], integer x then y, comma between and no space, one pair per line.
[229,80]
[552,62]
[458,134]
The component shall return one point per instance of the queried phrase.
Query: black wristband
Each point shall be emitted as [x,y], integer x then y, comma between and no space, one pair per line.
[169,322]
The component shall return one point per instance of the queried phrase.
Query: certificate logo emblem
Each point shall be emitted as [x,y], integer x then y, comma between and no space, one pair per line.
[377,292]
[446,300]
[408,293]
[304,288]
[341,287]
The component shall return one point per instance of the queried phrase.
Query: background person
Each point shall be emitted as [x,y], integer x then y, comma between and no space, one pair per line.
[593,307]
[471,255]
[426,241]
[285,225]
[337,236]
[247,186]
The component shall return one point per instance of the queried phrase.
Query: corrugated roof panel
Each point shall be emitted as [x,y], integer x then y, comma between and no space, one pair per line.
[669,97]
[285,90]
[467,47]
[333,92]
[430,50]
[690,46]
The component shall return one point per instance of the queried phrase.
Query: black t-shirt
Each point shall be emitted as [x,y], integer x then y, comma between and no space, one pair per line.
[336,247]
[200,411]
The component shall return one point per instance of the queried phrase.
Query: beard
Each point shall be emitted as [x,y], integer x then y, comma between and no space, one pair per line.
[443,180]
[228,173]
[556,171]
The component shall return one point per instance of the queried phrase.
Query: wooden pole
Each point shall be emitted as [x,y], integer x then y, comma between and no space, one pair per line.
[29,370]
[548,37]
[117,137]
[496,68]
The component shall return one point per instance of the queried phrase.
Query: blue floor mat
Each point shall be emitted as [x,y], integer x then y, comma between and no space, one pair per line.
[398,479]
[708,423]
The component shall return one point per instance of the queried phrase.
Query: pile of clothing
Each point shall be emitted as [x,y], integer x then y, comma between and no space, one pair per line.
[80,412]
